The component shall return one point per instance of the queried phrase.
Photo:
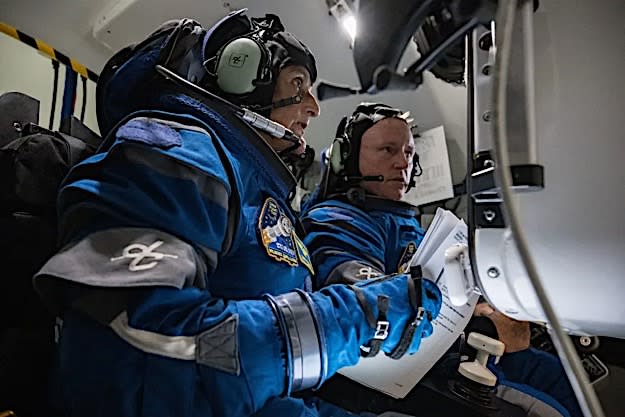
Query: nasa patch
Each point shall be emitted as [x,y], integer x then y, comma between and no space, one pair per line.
[406,258]
[276,232]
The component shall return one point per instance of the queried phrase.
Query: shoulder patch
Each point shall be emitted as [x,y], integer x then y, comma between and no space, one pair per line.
[150,131]
[406,258]
[302,254]
[276,233]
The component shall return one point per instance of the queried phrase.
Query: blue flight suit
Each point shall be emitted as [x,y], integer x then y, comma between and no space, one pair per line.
[350,242]
[179,273]
[210,220]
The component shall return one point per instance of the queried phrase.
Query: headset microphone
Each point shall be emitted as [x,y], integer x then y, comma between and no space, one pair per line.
[268,126]
[287,101]
[280,103]
[372,178]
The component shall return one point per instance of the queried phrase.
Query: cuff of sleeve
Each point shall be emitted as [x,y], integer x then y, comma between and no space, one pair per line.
[304,341]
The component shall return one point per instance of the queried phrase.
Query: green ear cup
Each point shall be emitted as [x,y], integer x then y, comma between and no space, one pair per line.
[238,66]
[336,161]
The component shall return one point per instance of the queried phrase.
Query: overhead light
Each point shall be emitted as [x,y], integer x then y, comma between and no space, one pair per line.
[344,14]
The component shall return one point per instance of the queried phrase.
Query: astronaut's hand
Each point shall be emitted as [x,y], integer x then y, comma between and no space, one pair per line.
[514,334]
[399,310]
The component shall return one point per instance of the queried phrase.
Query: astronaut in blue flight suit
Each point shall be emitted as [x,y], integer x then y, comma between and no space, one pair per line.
[357,228]
[182,281]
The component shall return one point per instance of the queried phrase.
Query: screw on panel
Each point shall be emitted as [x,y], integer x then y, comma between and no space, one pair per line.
[589,343]
[489,216]
[486,70]
[485,42]
[493,272]
[17,126]
[486,116]
[585,341]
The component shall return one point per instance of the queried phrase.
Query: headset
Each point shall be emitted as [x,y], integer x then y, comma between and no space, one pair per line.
[240,66]
[238,57]
[230,55]
[344,151]
[244,63]
[236,62]
[252,51]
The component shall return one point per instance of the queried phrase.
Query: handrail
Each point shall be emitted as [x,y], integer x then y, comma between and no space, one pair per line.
[46,49]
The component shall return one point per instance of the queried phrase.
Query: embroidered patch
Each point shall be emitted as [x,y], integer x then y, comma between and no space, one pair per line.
[366,272]
[150,131]
[138,252]
[276,232]
[406,258]
[302,254]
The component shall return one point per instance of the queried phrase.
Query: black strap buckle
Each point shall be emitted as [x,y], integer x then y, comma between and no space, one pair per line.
[382,327]
[381,330]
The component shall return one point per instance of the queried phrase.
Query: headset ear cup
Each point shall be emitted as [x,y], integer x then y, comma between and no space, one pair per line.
[239,65]
[346,151]
[416,171]
[336,159]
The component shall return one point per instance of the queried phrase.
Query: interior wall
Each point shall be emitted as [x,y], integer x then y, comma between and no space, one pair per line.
[27,71]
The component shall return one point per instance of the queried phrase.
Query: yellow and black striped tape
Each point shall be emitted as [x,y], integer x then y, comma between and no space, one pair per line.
[49,51]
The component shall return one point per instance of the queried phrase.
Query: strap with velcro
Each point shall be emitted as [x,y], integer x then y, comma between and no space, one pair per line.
[382,327]
[415,296]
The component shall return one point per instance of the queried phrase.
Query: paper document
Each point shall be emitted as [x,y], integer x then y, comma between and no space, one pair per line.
[435,184]
[397,377]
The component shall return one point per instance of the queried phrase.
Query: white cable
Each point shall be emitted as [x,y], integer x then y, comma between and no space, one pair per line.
[586,396]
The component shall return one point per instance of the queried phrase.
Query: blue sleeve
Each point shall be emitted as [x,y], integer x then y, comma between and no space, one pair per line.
[345,244]
[543,372]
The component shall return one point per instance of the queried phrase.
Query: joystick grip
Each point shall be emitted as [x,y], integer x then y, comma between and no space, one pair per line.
[477,371]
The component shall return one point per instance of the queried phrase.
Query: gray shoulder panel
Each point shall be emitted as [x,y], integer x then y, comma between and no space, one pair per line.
[351,272]
[125,257]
